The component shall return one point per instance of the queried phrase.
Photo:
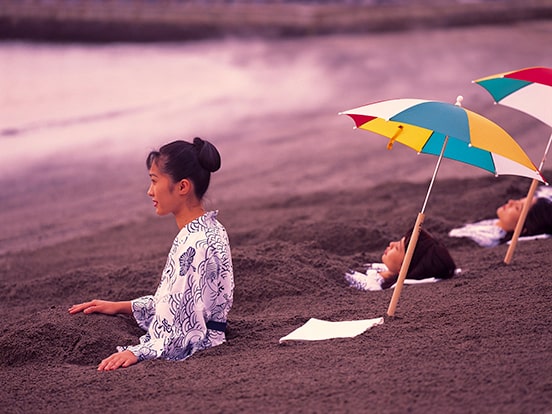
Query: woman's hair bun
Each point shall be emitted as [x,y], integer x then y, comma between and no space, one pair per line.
[207,154]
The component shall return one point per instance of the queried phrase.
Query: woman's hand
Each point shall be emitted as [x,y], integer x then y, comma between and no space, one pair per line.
[120,359]
[101,306]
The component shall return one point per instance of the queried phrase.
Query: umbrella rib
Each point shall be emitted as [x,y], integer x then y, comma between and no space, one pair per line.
[435,173]
[545,153]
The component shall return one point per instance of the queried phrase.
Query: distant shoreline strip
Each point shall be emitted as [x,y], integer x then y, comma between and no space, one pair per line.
[139,21]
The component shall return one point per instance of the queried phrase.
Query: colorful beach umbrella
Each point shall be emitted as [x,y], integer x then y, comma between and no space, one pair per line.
[528,90]
[448,131]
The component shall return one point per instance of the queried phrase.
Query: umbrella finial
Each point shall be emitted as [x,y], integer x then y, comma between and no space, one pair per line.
[459,100]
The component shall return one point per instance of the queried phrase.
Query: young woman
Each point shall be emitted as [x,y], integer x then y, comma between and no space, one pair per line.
[430,259]
[189,309]
[498,230]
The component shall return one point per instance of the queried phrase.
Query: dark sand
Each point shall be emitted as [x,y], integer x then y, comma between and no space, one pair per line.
[480,342]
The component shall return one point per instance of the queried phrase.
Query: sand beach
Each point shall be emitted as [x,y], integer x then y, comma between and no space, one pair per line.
[304,198]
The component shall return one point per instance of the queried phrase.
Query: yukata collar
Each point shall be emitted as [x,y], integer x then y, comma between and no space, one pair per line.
[202,222]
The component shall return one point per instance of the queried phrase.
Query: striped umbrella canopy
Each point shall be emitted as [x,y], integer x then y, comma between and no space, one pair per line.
[528,90]
[425,125]
[446,130]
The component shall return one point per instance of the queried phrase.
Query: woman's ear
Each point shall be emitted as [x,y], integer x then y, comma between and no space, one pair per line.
[184,186]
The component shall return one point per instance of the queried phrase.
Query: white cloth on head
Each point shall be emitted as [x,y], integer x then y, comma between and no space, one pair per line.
[535,237]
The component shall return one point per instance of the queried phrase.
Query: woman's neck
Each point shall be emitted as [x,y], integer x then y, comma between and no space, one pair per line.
[188,215]
[387,274]
[500,224]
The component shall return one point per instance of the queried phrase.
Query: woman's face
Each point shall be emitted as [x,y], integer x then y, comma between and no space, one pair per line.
[508,214]
[393,256]
[162,191]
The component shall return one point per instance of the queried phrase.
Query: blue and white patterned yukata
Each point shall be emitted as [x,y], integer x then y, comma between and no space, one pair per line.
[189,309]
[486,233]
[370,280]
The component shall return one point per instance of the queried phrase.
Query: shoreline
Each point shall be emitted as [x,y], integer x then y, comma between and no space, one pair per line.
[142,21]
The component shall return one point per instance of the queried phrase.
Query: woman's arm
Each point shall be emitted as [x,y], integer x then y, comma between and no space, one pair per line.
[102,306]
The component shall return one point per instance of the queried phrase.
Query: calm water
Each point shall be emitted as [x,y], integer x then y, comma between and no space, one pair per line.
[89,101]
[85,100]
[270,107]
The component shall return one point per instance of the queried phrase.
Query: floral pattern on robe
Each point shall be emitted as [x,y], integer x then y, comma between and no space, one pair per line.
[196,287]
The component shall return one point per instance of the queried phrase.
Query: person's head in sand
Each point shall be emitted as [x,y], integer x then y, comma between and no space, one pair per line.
[500,229]
[180,174]
[538,220]
[508,214]
[431,259]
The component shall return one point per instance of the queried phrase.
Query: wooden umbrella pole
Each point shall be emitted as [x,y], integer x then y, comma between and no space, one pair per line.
[414,238]
[525,210]
[521,222]
[405,264]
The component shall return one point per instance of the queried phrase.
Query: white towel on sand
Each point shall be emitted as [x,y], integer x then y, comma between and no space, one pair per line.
[317,329]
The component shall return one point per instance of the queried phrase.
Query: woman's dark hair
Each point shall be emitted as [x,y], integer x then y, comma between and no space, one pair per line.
[538,220]
[194,161]
[430,259]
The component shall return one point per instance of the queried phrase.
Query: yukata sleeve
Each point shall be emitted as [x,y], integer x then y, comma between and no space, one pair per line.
[143,310]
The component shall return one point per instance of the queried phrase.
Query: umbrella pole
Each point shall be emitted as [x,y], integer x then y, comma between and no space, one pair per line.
[405,264]
[413,240]
[521,222]
[525,210]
